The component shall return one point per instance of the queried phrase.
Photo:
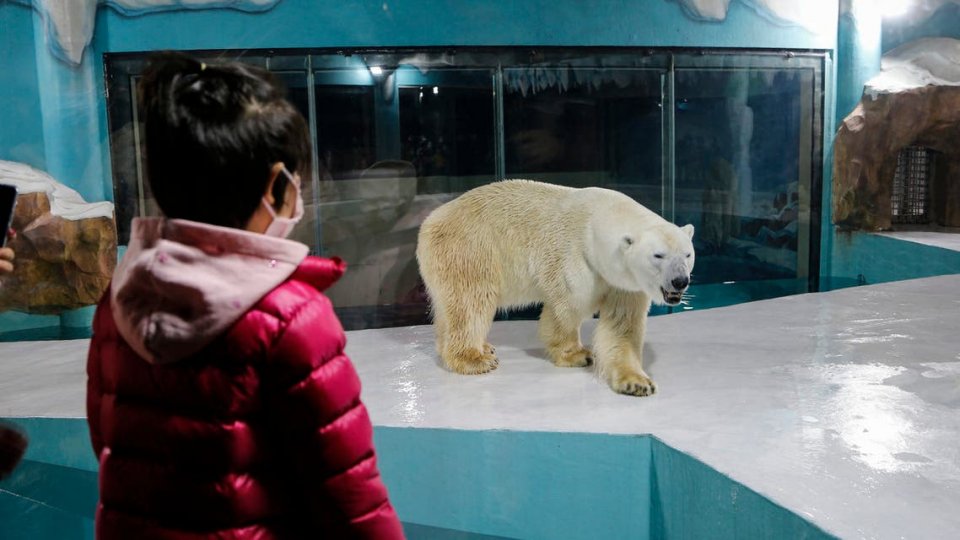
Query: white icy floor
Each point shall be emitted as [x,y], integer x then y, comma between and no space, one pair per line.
[840,406]
[943,238]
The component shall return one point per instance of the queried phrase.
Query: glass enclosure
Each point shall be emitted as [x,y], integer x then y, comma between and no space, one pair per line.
[727,141]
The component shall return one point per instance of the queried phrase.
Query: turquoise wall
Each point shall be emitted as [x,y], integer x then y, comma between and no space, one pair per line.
[858,53]
[60,121]
[690,500]
[21,127]
[51,115]
[21,119]
[518,485]
[945,22]
[53,118]
[62,124]
[468,485]
[52,493]
[856,258]
[863,258]
[74,130]
[304,23]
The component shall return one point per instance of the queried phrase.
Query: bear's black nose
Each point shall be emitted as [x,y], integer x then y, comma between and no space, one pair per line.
[680,282]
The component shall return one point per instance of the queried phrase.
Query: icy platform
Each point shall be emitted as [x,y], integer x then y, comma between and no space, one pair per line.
[942,237]
[843,407]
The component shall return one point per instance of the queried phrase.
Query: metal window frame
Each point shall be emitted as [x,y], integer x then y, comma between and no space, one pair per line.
[120,68]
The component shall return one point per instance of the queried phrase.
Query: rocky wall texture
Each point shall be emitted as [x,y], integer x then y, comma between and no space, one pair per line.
[915,101]
[62,262]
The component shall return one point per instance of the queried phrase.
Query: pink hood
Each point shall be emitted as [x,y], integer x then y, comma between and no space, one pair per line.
[181,283]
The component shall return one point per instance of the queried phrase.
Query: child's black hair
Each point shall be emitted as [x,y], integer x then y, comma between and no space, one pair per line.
[212,133]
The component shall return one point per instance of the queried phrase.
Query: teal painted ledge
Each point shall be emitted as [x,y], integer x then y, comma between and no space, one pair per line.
[460,485]
[41,501]
[861,258]
[301,24]
[691,500]
[571,486]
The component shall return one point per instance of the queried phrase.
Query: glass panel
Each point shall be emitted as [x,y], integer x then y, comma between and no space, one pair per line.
[394,144]
[126,148]
[744,175]
[298,95]
[447,132]
[586,127]
[398,134]
[344,129]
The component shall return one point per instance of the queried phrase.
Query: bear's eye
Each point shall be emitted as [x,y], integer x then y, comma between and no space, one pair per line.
[688,255]
[658,255]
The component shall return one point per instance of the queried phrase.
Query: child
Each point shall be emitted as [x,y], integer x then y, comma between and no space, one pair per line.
[219,399]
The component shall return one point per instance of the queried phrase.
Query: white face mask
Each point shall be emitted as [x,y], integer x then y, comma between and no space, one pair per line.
[281,227]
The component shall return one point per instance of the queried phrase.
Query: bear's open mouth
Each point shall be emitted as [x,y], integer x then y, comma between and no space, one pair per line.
[671,298]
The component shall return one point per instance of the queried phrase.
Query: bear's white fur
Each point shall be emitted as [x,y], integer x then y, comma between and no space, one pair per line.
[577,251]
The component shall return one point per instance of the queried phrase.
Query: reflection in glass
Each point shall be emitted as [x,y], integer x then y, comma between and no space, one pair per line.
[726,141]
[298,94]
[743,158]
[586,127]
[345,128]
[446,132]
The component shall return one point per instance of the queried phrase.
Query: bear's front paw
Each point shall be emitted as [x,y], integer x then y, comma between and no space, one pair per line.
[579,357]
[473,362]
[633,384]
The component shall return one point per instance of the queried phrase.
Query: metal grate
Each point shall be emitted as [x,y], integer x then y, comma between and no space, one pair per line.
[911,185]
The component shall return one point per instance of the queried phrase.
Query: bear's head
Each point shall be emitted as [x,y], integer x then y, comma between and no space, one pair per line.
[656,261]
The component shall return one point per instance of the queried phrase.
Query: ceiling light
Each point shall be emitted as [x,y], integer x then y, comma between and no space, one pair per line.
[894,8]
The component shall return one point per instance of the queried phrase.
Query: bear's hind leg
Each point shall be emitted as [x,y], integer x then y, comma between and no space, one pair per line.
[439,328]
[560,333]
[467,322]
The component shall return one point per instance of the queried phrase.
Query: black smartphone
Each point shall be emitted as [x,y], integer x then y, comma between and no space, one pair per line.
[8,201]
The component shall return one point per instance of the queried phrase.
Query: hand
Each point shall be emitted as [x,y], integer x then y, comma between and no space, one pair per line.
[7,256]
[6,260]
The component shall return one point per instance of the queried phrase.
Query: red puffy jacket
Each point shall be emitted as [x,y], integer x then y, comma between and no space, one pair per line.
[259,433]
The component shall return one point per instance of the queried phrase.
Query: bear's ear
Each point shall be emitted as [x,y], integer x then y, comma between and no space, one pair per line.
[626,241]
[688,229]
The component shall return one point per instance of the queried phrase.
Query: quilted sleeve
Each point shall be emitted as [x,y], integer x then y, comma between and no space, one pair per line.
[325,428]
[94,391]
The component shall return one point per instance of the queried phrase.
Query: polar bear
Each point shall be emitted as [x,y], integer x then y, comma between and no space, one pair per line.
[577,251]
